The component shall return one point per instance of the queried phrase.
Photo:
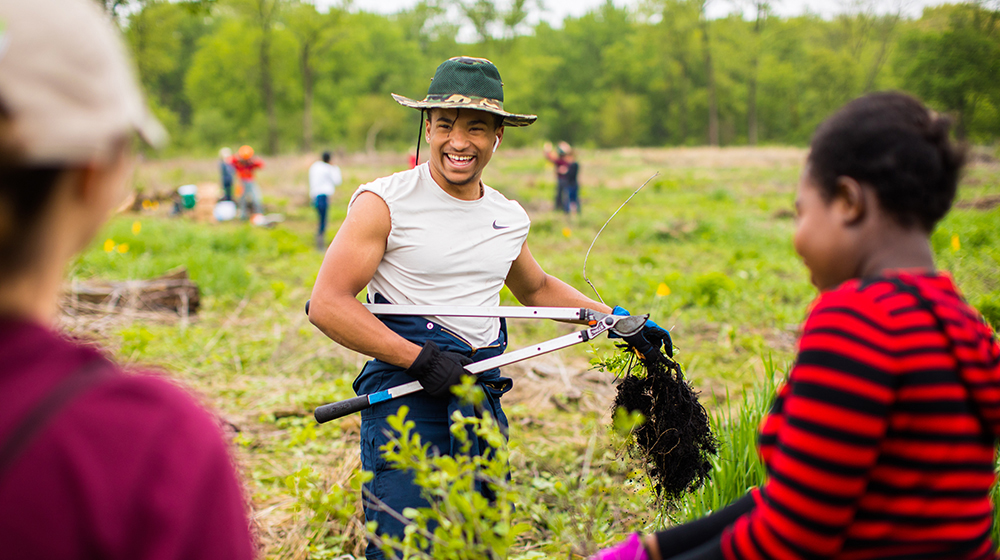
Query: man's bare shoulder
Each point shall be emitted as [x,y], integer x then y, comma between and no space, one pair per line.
[392,186]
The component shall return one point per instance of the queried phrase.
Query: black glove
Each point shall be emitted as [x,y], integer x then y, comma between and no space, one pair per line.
[437,371]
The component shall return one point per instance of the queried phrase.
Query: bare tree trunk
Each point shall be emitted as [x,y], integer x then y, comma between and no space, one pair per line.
[754,65]
[682,120]
[886,32]
[307,100]
[266,13]
[713,107]
[373,131]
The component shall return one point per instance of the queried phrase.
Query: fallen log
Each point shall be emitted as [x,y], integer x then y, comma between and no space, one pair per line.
[173,291]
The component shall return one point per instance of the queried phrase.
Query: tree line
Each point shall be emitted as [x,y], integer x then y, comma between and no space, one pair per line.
[284,76]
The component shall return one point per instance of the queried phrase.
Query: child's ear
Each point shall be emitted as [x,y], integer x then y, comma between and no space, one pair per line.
[850,200]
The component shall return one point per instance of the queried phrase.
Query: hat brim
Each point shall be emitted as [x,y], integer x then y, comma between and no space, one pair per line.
[457,101]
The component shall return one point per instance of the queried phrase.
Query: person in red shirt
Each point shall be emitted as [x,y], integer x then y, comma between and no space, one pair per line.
[561,158]
[881,444]
[246,166]
[95,462]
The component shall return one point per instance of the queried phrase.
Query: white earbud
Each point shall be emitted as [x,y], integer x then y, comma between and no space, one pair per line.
[496,144]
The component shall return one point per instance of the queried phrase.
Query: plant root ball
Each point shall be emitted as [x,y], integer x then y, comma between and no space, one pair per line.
[675,444]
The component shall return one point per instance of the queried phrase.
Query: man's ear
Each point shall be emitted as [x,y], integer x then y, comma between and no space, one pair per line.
[850,200]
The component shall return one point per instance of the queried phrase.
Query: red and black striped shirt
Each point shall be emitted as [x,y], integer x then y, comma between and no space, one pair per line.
[881,443]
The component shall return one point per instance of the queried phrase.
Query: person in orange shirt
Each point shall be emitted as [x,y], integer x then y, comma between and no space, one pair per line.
[246,166]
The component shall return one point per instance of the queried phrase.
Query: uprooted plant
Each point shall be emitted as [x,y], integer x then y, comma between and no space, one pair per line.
[675,443]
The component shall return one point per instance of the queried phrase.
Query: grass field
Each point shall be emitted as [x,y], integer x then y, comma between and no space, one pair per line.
[705,248]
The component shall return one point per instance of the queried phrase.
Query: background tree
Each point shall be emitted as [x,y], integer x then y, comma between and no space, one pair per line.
[713,105]
[264,14]
[281,73]
[954,63]
[314,33]
[761,9]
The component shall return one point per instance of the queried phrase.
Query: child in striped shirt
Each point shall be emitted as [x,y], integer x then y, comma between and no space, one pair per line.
[882,442]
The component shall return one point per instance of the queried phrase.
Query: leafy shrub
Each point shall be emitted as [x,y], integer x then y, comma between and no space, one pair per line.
[330,510]
[460,523]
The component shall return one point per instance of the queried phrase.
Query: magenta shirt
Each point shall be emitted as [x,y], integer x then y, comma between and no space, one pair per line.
[132,468]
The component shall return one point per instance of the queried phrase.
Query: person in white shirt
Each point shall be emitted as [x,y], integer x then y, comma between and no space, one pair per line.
[324,179]
[435,235]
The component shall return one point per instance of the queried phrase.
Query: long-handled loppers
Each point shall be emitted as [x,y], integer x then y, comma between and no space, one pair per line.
[597,323]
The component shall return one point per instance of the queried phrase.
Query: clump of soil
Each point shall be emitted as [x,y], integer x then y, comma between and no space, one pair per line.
[676,443]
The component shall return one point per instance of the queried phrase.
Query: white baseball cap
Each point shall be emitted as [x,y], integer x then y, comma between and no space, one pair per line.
[67,87]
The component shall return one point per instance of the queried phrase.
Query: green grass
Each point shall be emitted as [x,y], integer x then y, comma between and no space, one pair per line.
[737,468]
[714,227]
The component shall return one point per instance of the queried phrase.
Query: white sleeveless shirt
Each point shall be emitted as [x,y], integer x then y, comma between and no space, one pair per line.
[446,251]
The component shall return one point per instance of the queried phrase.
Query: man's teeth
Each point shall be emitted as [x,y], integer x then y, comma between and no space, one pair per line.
[462,159]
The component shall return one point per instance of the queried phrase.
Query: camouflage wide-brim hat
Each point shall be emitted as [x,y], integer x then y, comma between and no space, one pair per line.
[464,82]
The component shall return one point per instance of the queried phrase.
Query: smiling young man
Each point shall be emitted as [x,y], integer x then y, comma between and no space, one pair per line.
[435,235]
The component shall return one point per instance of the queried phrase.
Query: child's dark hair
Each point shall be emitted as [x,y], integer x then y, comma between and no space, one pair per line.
[899,147]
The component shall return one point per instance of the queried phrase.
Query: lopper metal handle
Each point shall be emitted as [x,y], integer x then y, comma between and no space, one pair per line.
[340,409]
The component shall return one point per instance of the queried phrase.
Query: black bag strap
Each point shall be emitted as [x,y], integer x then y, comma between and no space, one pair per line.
[75,384]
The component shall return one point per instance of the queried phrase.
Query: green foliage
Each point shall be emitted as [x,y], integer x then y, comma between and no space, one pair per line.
[135,340]
[328,508]
[612,77]
[460,523]
[954,66]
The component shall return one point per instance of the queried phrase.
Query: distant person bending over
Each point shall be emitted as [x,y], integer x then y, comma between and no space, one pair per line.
[246,168]
[324,179]
[881,444]
[226,172]
[95,463]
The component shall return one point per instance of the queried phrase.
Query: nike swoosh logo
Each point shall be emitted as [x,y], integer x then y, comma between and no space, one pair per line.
[495,226]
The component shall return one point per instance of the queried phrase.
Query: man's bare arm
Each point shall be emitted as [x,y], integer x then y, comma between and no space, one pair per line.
[348,266]
[533,286]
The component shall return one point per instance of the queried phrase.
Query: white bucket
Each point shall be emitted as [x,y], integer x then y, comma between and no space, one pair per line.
[225,210]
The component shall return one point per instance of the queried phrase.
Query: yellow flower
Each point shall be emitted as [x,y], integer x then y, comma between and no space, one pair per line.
[136,227]
[123,248]
[566,232]
[109,245]
[146,205]
[955,245]
[662,290]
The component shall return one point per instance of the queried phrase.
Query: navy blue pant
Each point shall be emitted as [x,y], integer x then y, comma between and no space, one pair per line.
[322,203]
[571,197]
[392,488]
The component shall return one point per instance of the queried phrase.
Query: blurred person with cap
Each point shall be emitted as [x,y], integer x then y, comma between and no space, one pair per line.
[436,235]
[324,178]
[94,462]
[246,165]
